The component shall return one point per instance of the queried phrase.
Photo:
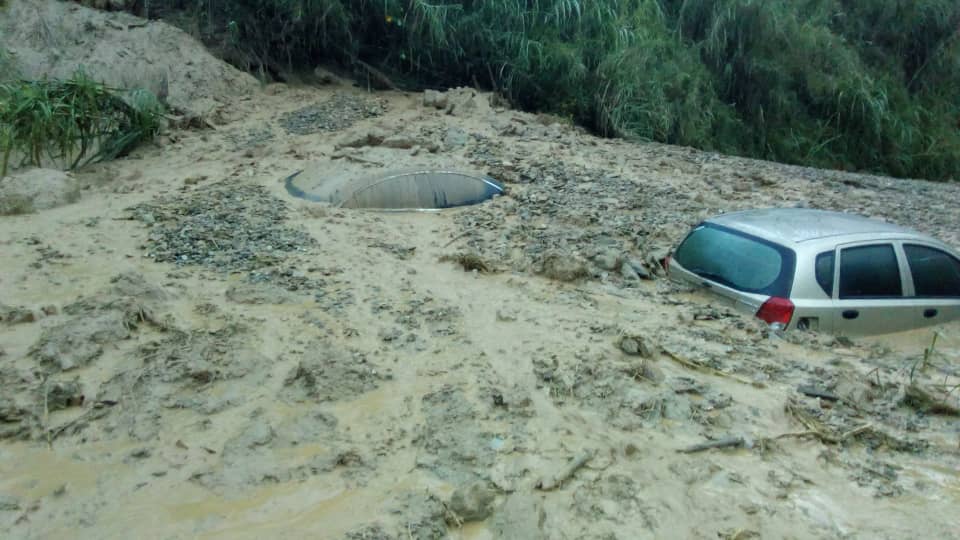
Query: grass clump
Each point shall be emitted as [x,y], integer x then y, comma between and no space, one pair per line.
[73,122]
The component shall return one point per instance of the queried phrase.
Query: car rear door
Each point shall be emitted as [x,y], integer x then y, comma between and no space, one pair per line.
[870,290]
[935,276]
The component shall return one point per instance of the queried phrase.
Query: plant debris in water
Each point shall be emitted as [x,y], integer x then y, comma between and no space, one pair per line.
[339,112]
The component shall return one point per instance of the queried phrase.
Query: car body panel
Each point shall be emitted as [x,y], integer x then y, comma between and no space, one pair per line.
[809,233]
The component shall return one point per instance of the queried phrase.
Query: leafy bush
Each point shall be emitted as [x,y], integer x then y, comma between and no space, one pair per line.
[860,84]
[71,120]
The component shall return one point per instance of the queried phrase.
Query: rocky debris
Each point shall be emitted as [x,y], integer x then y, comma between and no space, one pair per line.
[635,345]
[259,293]
[330,374]
[437,100]
[337,113]
[372,531]
[472,502]
[564,267]
[62,395]
[9,503]
[16,315]
[98,321]
[607,259]
[628,273]
[455,138]
[453,445]
[421,516]
[225,226]
[34,190]
[520,516]
[15,422]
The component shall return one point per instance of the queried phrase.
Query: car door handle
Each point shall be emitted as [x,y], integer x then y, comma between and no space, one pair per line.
[851,314]
[929,313]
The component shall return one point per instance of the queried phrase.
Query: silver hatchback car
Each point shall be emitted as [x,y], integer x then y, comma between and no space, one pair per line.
[819,270]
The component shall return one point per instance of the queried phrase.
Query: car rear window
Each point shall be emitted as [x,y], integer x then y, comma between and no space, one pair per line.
[935,273]
[737,260]
[824,270]
[869,272]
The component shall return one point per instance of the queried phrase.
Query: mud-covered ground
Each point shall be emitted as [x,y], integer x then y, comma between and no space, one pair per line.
[190,352]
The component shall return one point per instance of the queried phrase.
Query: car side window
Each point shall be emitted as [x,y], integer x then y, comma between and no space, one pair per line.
[869,272]
[824,270]
[935,273]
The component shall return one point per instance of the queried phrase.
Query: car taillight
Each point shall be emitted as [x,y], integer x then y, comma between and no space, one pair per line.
[776,310]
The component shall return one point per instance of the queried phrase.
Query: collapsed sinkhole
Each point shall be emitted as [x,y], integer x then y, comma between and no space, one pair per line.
[417,189]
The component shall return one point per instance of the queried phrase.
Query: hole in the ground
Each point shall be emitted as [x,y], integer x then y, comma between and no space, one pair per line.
[420,189]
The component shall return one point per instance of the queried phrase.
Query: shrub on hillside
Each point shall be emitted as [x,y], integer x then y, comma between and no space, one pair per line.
[67,121]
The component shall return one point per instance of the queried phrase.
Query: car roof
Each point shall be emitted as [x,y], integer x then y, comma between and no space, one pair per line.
[796,225]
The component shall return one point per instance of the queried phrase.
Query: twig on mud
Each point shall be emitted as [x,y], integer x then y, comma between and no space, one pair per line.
[455,238]
[696,366]
[726,442]
[565,473]
[925,402]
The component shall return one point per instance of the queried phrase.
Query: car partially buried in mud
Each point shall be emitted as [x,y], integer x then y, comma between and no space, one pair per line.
[819,270]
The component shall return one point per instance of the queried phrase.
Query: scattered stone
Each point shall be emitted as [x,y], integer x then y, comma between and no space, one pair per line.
[9,503]
[337,113]
[16,315]
[473,502]
[639,269]
[455,138]
[628,273]
[607,259]
[226,226]
[637,346]
[36,189]
[259,293]
[520,516]
[63,395]
[432,98]
[401,142]
[564,267]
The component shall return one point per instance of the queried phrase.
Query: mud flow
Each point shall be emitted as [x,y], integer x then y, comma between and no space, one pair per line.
[187,351]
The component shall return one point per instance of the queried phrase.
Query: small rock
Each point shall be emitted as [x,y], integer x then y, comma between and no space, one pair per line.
[63,395]
[630,346]
[437,100]
[402,142]
[16,315]
[9,503]
[628,273]
[473,502]
[607,259]
[637,346]
[506,316]
[640,269]
[564,267]
[455,138]
[140,453]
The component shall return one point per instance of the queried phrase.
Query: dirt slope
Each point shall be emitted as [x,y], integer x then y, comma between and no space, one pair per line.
[190,352]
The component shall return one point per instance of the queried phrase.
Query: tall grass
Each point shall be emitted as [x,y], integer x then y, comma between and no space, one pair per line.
[72,122]
[858,84]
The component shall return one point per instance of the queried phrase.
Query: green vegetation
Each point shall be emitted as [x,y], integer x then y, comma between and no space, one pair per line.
[67,121]
[860,84]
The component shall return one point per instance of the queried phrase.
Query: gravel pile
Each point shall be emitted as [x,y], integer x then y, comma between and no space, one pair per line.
[339,112]
[227,227]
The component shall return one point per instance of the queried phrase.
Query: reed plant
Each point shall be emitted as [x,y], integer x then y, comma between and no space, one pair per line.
[72,122]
